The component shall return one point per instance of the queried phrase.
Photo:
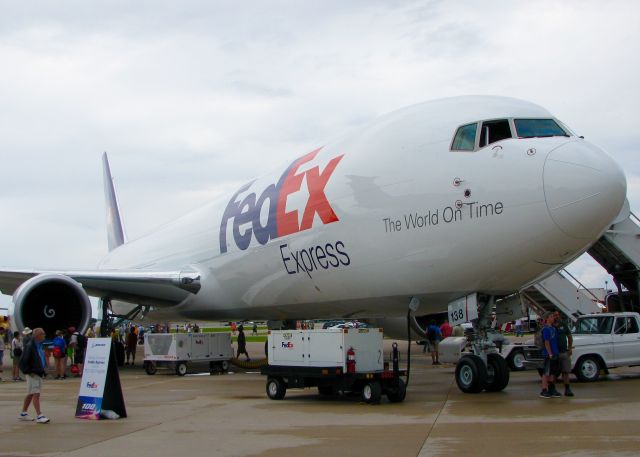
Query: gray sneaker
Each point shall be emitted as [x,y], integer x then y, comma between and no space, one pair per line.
[545,394]
[25,417]
[42,419]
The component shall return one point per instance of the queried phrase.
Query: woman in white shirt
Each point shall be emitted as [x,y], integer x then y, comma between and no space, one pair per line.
[16,352]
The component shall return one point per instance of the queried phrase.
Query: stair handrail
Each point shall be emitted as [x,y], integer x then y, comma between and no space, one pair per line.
[634,217]
[564,270]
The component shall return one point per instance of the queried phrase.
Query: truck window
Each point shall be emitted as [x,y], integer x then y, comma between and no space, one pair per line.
[632,325]
[492,131]
[465,138]
[535,128]
[621,326]
[595,324]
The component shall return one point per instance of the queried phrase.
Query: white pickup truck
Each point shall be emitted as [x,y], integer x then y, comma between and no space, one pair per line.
[600,342]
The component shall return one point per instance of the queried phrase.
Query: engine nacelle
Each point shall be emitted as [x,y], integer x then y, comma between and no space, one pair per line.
[53,302]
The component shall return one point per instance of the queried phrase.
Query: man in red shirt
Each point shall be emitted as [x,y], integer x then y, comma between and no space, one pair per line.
[445,329]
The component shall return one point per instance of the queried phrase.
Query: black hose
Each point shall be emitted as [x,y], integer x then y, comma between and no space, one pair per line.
[408,346]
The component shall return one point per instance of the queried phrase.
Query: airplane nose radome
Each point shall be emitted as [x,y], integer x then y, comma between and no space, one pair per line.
[584,188]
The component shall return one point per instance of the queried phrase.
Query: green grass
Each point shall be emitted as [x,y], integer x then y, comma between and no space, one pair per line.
[251,339]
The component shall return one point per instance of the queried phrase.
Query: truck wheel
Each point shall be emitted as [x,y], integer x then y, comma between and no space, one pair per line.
[150,368]
[397,394]
[325,390]
[181,368]
[214,368]
[516,360]
[471,374]
[497,373]
[588,369]
[276,388]
[372,392]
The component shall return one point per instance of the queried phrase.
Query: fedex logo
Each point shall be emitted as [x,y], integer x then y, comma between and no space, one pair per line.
[287,344]
[280,222]
[92,385]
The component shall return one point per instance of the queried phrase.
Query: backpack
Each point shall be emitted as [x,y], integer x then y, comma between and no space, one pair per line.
[82,341]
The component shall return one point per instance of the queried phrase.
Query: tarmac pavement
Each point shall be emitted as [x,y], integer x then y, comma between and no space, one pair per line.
[230,415]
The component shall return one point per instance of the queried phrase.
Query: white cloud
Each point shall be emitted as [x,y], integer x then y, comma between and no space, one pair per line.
[190,98]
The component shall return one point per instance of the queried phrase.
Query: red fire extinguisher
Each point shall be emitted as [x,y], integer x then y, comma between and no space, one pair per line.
[351,361]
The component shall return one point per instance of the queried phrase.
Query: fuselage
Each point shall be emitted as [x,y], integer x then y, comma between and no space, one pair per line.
[401,208]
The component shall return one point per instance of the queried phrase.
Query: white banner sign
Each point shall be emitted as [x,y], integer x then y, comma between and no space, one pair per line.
[94,378]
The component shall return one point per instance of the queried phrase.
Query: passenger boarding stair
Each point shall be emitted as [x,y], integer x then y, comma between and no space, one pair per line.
[618,251]
[557,292]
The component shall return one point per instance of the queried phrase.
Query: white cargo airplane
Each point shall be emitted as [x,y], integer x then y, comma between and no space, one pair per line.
[456,197]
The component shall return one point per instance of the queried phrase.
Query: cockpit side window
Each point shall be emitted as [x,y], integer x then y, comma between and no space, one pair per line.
[492,131]
[465,139]
[534,128]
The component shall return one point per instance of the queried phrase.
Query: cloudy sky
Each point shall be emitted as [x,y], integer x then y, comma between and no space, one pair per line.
[191,98]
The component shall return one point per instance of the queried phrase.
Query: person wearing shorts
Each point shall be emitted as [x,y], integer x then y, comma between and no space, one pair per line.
[550,354]
[565,343]
[32,364]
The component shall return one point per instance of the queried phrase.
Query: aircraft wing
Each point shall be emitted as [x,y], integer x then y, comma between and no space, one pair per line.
[158,288]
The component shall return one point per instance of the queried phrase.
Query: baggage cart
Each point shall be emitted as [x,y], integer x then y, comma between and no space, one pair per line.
[177,350]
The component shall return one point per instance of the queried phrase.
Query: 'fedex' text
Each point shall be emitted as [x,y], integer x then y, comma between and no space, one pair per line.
[280,222]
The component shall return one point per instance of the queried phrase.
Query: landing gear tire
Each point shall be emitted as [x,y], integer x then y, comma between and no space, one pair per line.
[150,368]
[588,369]
[372,392]
[397,394]
[497,373]
[516,361]
[181,369]
[276,388]
[471,374]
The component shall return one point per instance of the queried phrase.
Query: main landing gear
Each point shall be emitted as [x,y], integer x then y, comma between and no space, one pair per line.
[483,368]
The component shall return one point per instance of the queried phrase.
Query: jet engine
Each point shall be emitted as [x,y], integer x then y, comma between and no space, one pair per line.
[53,302]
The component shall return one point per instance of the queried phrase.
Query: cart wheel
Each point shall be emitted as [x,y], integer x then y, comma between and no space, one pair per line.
[224,366]
[181,368]
[398,394]
[372,392]
[150,368]
[276,388]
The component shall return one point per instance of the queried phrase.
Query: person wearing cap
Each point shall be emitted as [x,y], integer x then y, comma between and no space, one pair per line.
[550,354]
[26,336]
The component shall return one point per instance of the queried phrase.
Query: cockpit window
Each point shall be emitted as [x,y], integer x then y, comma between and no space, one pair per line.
[492,131]
[532,128]
[465,139]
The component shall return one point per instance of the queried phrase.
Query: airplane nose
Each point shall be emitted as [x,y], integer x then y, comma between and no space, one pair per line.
[584,188]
